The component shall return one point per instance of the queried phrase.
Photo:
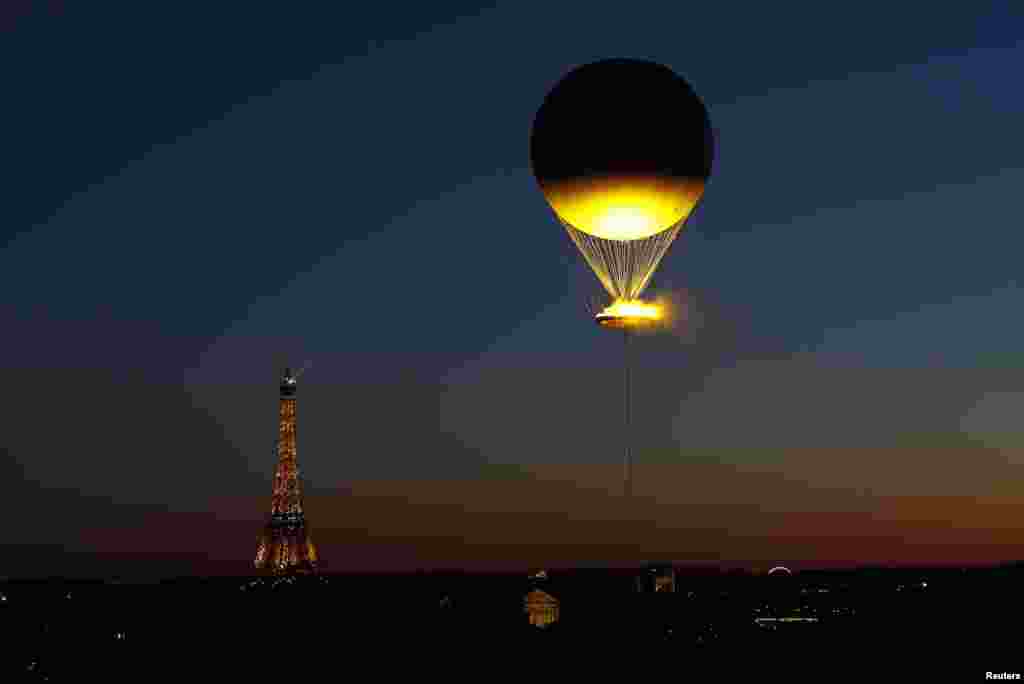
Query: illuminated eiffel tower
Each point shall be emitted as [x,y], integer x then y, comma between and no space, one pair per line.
[285,546]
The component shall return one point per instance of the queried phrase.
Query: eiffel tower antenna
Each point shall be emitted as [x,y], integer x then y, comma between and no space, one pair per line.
[305,367]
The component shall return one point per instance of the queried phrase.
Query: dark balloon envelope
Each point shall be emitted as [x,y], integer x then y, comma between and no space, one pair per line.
[622,135]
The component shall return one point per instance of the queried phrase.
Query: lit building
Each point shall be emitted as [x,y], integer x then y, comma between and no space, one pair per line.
[285,546]
[657,578]
[542,608]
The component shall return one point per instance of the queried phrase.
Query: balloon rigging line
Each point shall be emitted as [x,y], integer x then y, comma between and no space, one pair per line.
[624,267]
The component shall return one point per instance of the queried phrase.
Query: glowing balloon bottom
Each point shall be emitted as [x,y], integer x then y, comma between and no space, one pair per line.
[627,315]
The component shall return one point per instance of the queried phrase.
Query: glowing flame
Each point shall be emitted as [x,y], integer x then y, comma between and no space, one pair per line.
[624,209]
[636,310]
[625,223]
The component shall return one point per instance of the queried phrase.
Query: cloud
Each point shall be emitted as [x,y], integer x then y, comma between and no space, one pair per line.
[994,420]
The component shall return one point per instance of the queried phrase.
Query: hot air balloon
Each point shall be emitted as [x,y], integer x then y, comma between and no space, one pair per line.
[622,149]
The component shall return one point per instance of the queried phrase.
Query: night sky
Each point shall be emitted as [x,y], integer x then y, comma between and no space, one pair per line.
[196,198]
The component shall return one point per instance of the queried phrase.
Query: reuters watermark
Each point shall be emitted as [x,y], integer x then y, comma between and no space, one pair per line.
[994,676]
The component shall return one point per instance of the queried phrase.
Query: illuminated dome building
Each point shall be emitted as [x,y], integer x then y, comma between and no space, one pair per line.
[542,608]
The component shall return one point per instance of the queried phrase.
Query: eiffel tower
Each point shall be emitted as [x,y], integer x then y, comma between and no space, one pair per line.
[285,546]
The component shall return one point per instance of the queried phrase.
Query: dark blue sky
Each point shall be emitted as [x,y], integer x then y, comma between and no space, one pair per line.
[195,197]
